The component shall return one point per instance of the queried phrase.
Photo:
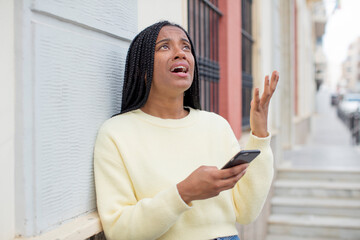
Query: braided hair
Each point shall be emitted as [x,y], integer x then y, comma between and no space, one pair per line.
[140,66]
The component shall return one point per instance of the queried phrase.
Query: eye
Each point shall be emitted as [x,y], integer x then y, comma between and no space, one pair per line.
[187,47]
[165,46]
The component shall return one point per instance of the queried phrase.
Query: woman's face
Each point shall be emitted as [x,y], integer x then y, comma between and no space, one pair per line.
[173,63]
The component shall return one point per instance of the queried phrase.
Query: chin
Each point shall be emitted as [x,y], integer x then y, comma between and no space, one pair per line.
[184,85]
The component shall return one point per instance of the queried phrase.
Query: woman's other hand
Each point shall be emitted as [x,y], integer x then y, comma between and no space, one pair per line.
[260,106]
[206,182]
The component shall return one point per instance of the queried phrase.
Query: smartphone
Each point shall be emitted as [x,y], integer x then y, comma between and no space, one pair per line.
[244,156]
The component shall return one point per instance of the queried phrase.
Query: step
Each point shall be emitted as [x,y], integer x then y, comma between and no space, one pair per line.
[316,206]
[345,174]
[288,237]
[314,226]
[317,188]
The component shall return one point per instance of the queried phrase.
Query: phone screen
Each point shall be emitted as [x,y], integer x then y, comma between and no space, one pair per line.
[244,156]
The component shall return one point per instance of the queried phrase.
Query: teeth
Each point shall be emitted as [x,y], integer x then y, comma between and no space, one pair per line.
[181,68]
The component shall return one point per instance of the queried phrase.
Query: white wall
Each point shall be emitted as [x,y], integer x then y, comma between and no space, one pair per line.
[7,105]
[287,74]
[277,62]
[276,122]
[306,67]
[150,12]
[70,58]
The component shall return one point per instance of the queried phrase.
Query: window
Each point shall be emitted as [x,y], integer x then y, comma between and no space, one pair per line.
[203,22]
[247,78]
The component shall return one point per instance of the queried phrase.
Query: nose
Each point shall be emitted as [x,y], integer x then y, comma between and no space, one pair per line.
[179,53]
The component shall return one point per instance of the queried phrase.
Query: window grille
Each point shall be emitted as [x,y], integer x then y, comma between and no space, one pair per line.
[203,24]
[246,42]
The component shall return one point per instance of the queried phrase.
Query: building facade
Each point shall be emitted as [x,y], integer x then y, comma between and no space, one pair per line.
[351,67]
[62,71]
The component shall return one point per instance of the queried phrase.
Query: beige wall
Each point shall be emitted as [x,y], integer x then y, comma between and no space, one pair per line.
[150,12]
[306,61]
[269,55]
[306,86]
[7,102]
[287,76]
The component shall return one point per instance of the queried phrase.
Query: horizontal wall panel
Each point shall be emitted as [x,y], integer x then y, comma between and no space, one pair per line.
[77,85]
[116,17]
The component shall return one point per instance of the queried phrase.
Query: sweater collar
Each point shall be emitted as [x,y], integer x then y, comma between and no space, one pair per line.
[168,123]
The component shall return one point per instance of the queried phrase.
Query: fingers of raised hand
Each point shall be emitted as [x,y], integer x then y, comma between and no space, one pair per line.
[269,87]
[255,103]
[267,92]
[274,81]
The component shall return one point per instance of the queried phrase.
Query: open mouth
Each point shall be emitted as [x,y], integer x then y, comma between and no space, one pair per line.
[179,69]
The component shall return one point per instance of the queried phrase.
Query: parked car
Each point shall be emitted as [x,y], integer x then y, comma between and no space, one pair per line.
[348,106]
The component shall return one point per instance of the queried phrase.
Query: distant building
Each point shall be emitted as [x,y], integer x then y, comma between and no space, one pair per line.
[351,68]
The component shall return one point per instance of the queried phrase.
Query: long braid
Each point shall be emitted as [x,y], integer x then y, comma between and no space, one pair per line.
[136,86]
[192,97]
[139,70]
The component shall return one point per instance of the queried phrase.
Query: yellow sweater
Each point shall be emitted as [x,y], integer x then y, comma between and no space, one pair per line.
[140,158]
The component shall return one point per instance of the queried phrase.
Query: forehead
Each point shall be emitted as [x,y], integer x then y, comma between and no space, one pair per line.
[171,32]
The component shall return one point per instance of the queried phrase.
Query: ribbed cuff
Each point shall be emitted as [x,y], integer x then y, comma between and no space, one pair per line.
[173,202]
[258,142]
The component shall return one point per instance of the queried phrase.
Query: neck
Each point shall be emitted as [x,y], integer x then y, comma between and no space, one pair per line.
[167,108]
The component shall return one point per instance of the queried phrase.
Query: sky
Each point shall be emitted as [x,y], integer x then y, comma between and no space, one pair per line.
[342,28]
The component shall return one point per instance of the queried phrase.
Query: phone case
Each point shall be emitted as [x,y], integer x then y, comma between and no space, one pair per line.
[244,156]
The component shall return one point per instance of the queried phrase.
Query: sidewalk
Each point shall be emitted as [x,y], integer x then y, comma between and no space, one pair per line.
[329,144]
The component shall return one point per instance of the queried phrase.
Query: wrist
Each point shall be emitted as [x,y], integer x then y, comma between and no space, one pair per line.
[183,193]
[260,134]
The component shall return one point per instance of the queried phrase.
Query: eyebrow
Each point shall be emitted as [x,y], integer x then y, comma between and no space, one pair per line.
[168,39]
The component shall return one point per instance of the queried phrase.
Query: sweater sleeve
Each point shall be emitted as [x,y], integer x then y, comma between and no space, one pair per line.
[122,215]
[250,193]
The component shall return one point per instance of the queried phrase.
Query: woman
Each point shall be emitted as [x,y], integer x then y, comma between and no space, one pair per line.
[157,162]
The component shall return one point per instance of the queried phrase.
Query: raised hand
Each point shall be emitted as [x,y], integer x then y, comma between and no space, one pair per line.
[260,106]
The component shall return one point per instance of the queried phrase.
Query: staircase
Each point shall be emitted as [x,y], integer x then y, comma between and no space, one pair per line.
[315,205]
